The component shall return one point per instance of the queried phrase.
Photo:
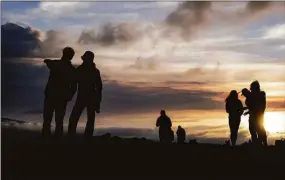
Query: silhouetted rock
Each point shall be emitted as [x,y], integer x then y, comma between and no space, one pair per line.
[193,141]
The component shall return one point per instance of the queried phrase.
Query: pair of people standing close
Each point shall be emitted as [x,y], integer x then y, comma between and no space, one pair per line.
[63,82]
[166,135]
[255,104]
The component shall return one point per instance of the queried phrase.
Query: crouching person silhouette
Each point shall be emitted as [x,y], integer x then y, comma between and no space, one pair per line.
[89,95]
[180,135]
[60,88]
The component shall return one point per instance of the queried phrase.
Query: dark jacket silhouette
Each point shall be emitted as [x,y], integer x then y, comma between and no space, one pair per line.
[180,135]
[164,123]
[89,95]
[60,88]
[252,120]
[234,108]
[258,110]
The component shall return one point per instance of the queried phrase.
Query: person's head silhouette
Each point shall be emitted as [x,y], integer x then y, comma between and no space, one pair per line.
[245,92]
[67,53]
[88,57]
[179,127]
[162,113]
[255,86]
[233,95]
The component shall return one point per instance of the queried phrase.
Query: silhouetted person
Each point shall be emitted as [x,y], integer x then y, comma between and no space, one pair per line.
[234,108]
[252,120]
[89,95]
[180,135]
[164,124]
[258,109]
[60,88]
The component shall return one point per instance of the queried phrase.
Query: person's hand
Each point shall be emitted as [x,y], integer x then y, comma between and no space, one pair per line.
[46,60]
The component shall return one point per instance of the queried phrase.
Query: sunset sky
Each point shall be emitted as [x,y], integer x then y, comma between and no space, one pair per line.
[184,57]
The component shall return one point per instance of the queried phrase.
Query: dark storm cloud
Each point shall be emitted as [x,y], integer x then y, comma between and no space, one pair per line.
[23,91]
[22,86]
[110,34]
[18,41]
[254,7]
[123,98]
[189,16]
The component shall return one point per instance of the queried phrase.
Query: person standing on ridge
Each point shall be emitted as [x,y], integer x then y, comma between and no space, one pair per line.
[89,95]
[258,110]
[252,121]
[234,108]
[164,123]
[60,89]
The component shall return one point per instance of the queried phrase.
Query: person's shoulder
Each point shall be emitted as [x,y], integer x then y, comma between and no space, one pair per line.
[97,70]
[263,94]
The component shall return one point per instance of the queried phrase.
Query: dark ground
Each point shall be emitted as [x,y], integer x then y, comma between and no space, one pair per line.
[25,156]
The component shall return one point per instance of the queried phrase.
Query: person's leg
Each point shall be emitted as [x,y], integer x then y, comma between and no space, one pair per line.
[47,116]
[89,129]
[74,117]
[59,116]
[232,130]
[252,129]
[261,130]
[235,129]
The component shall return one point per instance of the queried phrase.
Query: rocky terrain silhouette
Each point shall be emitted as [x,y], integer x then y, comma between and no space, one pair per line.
[26,156]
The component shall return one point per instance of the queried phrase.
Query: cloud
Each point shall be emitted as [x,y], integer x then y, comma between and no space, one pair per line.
[120,98]
[254,7]
[149,64]
[275,32]
[23,86]
[52,44]
[112,34]
[62,7]
[189,16]
[18,41]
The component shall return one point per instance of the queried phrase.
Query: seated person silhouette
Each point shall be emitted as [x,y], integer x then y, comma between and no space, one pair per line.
[180,135]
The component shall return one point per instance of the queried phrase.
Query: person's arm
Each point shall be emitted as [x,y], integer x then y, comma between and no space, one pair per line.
[99,88]
[227,107]
[73,84]
[170,123]
[241,109]
[50,63]
[264,101]
[157,122]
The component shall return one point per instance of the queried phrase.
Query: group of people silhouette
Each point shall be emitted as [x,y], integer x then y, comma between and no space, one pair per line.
[166,134]
[255,101]
[64,80]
